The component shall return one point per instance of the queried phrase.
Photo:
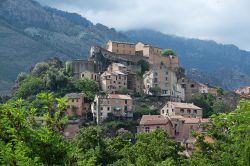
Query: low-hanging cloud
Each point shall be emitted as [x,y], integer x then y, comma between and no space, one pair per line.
[225,21]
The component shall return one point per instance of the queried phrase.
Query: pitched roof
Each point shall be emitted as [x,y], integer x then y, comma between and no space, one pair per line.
[153,120]
[118,96]
[74,95]
[189,120]
[185,105]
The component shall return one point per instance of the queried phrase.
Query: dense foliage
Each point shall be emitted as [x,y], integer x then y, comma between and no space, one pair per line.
[168,52]
[231,135]
[211,104]
[31,134]
[51,75]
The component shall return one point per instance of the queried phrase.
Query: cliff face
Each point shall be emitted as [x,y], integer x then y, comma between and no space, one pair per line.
[30,33]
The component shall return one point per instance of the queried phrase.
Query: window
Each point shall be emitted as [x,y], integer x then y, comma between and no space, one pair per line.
[166,73]
[162,111]
[119,82]
[114,82]
[82,75]
[192,85]
[101,108]
[157,127]
[119,76]
[166,78]
[76,100]
[189,111]
[155,73]
[182,110]
[108,108]
[147,129]
[126,101]
[195,111]
[155,80]
[72,100]
[125,108]
[91,76]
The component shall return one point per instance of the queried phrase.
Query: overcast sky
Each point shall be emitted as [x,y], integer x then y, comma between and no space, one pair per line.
[225,21]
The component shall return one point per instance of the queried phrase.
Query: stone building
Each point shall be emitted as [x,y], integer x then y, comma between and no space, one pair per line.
[79,66]
[191,87]
[162,78]
[212,90]
[203,89]
[119,47]
[114,81]
[183,127]
[179,120]
[154,55]
[75,105]
[180,93]
[91,75]
[183,109]
[149,123]
[116,105]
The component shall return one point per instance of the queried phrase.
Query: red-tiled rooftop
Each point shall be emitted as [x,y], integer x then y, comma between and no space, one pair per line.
[153,120]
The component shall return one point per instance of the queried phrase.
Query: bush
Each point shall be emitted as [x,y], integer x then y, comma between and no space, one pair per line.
[168,52]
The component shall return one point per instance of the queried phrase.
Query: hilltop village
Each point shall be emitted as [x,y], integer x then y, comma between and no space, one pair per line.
[127,72]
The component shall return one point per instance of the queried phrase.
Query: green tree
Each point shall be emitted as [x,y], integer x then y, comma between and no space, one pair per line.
[155,90]
[220,91]
[168,52]
[87,86]
[144,66]
[231,135]
[26,141]
[28,87]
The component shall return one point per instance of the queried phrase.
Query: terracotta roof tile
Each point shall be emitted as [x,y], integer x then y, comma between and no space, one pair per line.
[153,119]
[185,105]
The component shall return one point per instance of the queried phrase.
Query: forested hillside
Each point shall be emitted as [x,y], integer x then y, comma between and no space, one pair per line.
[30,33]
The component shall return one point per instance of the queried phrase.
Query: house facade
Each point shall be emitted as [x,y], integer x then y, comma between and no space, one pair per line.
[184,109]
[180,92]
[114,81]
[149,123]
[191,87]
[121,47]
[154,55]
[116,105]
[162,78]
[75,105]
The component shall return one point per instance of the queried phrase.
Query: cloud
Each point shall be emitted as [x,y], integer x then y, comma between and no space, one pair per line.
[225,21]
